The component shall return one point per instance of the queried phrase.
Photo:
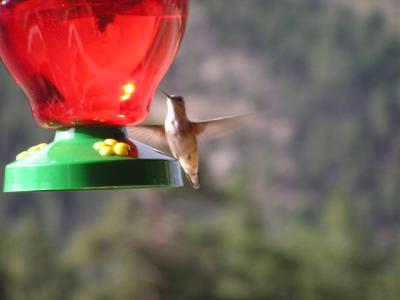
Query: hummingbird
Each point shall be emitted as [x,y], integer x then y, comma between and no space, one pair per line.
[182,135]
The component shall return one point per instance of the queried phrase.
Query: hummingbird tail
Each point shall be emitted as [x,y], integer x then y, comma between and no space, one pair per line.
[194,180]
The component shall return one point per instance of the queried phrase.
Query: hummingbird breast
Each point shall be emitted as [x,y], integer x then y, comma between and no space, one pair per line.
[180,138]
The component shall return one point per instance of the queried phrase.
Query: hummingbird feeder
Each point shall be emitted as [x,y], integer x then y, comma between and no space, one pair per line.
[90,68]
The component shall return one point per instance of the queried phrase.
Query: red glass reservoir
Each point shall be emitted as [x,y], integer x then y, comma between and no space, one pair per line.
[90,62]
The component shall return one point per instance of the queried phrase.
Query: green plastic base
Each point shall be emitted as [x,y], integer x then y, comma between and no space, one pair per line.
[71,163]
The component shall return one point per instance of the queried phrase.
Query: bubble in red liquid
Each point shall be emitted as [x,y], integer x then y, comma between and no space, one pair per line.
[93,62]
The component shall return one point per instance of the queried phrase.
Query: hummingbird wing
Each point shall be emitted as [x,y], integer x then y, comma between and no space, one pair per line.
[216,128]
[153,135]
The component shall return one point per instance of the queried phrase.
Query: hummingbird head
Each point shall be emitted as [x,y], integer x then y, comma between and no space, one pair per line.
[175,102]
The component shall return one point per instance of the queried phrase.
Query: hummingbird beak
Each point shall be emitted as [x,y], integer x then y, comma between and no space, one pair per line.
[166,94]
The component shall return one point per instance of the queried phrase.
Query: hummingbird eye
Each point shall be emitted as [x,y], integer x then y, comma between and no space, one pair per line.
[178,99]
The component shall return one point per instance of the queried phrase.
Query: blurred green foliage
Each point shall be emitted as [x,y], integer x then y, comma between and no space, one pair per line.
[338,76]
[234,257]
